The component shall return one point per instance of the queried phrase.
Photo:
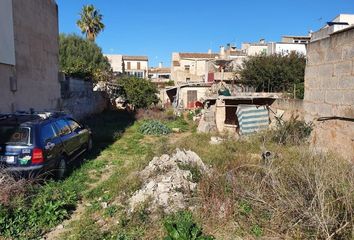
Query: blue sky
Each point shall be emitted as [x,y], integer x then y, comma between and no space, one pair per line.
[157,28]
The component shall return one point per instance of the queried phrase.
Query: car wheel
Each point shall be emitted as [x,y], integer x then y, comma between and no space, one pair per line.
[61,171]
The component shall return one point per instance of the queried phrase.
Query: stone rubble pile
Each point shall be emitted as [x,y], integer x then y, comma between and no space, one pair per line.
[165,185]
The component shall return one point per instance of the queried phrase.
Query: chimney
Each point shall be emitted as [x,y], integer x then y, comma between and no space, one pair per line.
[209,51]
[160,64]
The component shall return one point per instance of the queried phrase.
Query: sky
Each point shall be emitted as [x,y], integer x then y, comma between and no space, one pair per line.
[156,28]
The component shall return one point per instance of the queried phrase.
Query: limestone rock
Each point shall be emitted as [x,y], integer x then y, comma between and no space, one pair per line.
[167,186]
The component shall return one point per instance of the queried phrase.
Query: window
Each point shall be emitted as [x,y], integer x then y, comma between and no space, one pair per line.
[63,127]
[47,133]
[11,134]
[128,65]
[138,65]
[73,125]
[188,79]
[187,68]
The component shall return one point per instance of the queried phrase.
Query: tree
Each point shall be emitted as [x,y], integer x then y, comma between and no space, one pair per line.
[275,73]
[139,92]
[90,22]
[81,58]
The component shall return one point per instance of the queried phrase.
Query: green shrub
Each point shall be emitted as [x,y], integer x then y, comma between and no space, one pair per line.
[153,127]
[29,217]
[181,226]
[293,131]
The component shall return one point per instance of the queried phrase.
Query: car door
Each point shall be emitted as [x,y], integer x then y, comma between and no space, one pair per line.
[51,145]
[81,134]
[66,136]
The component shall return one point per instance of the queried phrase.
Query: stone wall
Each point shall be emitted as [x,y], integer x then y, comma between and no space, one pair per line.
[79,99]
[33,81]
[288,108]
[329,92]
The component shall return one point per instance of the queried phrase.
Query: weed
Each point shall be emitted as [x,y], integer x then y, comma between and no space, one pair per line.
[181,226]
[111,211]
[153,127]
[257,231]
[245,208]
[194,170]
[293,131]
[179,123]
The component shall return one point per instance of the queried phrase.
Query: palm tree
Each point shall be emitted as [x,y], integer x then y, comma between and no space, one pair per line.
[90,22]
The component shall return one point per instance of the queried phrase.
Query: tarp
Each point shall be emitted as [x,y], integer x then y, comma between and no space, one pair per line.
[252,118]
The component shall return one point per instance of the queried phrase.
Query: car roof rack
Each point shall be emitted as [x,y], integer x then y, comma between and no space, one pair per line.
[33,115]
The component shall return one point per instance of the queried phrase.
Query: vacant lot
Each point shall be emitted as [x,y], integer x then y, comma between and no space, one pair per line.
[291,194]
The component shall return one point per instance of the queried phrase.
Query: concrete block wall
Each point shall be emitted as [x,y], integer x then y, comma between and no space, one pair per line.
[329,77]
[329,92]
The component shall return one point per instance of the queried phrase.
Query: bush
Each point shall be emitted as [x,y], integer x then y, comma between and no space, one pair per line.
[153,127]
[292,132]
[181,226]
[139,92]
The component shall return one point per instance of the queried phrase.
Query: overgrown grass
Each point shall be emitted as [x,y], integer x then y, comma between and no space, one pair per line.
[294,194]
[43,206]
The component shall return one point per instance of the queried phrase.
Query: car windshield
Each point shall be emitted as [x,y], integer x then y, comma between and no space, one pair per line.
[14,134]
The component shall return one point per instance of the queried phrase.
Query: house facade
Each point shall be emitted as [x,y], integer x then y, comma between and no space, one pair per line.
[287,45]
[296,39]
[190,67]
[29,56]
[137,66]
[160,74]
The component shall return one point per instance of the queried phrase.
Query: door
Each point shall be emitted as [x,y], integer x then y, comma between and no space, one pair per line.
[67,136]
[192,97]
[51,145]
[81,134]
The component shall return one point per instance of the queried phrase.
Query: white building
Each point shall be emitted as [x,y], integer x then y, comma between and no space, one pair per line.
[296,39]
[116,62]
[253,49]
[342,21]
[286,48]
[132,65]
[136,66]
[160,74]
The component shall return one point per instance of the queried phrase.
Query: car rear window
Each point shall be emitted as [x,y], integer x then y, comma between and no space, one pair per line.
[14,135]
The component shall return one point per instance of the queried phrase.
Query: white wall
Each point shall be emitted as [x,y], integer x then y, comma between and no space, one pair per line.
[286,48]
[7,45]
[116,62]
[134,65]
